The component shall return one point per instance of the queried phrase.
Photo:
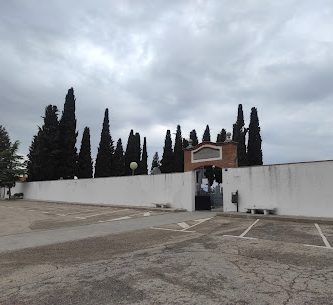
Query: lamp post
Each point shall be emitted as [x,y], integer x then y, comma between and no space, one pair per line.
[133,167]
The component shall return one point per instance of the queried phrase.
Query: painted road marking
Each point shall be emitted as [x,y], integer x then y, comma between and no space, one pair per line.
[122,218]
[322,247]
[199,221]
[243,237]
[248,229]
[166,229]
[327,244]
[112,212]
[126,217]
[183,225]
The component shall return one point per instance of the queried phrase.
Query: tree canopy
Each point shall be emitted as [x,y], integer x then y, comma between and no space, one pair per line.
[67,136]
[85,168]
[11,164]
[119,159]
[239,136]
[254,152]
[103,165]
[156,162]
[206,135]
[194,138]
[167,163]
[144,159]
[44,156]
[178,151]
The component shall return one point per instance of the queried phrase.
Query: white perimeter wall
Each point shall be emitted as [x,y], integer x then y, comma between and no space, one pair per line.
[176,189]
[302,189]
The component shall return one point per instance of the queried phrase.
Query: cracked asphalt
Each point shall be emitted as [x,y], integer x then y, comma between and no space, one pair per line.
[210,264]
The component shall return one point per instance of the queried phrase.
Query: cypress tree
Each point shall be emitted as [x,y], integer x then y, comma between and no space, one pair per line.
[33,164]
[194,138]
[239,123]
[119,159]
[221,137]
[155,162]
[68,134]
[130,154]
[137,145]
[178,152]
[239,136]
[206,135]
[144,159]
[48,145]
[185,143]
[254,151]
[217,171]
[85,169]
[103,166]
[167,163]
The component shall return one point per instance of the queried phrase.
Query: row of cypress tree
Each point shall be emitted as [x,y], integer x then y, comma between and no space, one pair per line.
[252,153]
[173,158]
[112,162]
[53,155]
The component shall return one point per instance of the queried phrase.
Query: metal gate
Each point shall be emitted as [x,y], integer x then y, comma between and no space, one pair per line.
[216,197]
[211,198]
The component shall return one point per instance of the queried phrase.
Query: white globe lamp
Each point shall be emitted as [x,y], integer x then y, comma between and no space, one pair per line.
[133,167]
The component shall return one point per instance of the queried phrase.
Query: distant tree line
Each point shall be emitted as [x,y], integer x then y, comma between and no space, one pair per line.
[248,155]
[53,154]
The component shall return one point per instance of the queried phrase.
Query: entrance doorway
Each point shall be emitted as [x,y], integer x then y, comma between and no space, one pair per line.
[209,191]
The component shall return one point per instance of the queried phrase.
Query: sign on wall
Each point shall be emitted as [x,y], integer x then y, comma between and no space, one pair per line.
[206,153]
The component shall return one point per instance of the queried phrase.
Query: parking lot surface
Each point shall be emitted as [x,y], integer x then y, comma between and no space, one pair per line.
[28,216]
[174,259]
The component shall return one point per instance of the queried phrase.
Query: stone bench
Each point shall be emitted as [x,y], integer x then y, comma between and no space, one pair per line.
[265,210]
[162,205]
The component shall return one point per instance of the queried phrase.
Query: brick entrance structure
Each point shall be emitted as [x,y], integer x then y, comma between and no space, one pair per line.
[223,155]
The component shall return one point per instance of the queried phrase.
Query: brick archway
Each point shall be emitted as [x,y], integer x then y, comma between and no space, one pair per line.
[223,155]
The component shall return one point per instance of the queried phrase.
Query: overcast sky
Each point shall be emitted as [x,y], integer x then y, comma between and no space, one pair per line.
[156,64]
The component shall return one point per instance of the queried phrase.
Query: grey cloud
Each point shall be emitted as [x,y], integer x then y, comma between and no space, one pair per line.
[157,64]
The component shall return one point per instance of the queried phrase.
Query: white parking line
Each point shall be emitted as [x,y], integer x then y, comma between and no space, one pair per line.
[126,217]
[112,212]
[199,221]
[166,229]
[327,244]
[234,236]
[248,229]
[183,225]
[120,218]
[323,247]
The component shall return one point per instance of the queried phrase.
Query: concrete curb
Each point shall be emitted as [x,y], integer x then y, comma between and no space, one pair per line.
[151,208]
[319,220]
